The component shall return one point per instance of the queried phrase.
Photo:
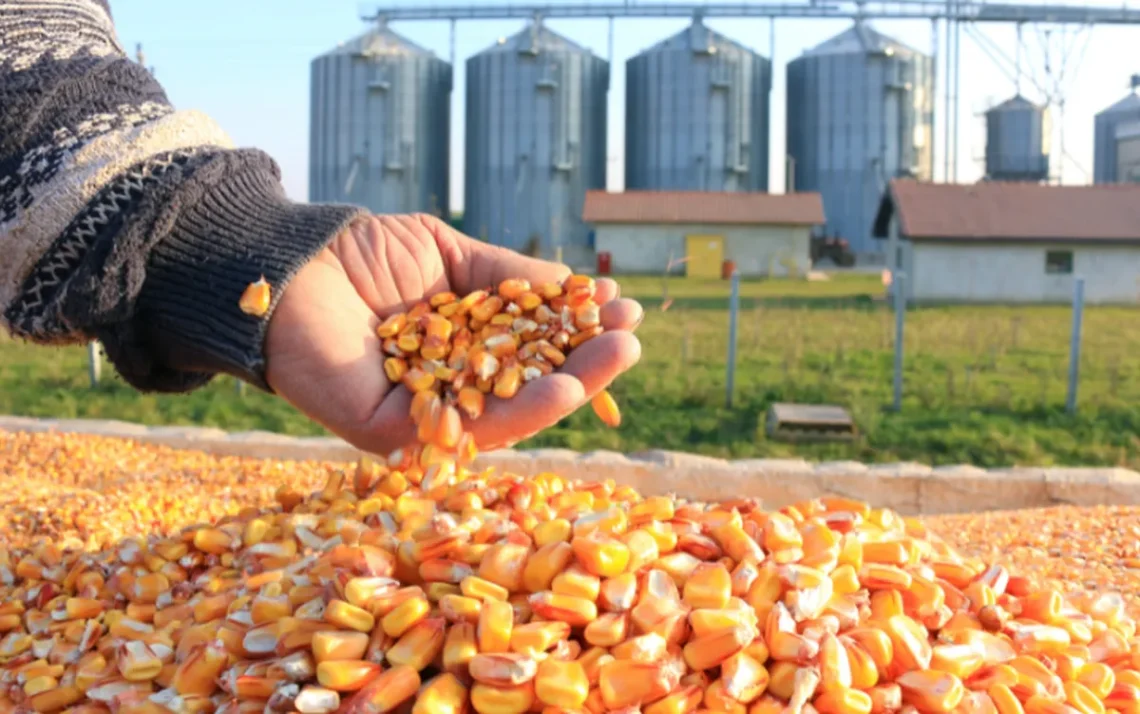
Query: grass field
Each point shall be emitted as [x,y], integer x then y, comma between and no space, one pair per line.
[984,384]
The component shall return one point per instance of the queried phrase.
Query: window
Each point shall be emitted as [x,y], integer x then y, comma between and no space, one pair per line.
[1059,262]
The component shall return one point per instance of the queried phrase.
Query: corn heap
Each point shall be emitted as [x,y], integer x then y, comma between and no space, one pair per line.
[421,585]
[450,353]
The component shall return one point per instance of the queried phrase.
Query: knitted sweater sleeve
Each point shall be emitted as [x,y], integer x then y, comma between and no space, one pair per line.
[126,221]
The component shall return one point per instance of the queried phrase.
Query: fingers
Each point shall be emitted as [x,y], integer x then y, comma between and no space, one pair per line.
[475,265]
[538,405]
[600,361]
[621,314]
[390,427]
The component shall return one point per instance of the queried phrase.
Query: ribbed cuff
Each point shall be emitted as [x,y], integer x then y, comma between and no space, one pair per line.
[241,227]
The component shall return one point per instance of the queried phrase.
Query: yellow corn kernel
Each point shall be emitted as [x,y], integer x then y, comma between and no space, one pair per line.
[489,699]
[444,694]
[386,691]
[338,645]
[459,647]
[931,690]
[606,408]
[843,701]
[601,556]
[419,645]
[256,298]
[345,614]
[710,586]
[405,615]
[346,676]
[493,629]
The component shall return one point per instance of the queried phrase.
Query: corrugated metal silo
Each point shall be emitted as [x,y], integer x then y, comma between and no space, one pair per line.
[697,115]
[379,125]
[1125,111]
[860,112]
[536,142]
[1128,152]
[1017,141]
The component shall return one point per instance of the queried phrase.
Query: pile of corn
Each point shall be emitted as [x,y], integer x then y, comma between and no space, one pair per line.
[420,585]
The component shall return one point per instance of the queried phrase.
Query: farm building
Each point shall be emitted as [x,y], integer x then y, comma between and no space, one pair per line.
[761,233]
[1012,242]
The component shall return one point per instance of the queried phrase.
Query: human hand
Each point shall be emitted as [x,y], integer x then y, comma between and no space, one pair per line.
[324,357]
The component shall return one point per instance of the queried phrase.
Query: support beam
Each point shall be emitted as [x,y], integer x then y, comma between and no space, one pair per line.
[966,11]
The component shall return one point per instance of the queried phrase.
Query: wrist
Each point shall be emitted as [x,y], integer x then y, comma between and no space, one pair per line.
[232,227]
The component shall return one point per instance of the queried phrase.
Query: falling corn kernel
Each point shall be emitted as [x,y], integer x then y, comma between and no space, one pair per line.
[606,409]
[255,298]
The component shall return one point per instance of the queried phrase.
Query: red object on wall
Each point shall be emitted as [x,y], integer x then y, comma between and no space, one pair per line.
[605,263]
[727,268]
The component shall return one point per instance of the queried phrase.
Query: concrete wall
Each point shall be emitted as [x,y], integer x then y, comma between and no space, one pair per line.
[755,249]
[957,272]
[909,488]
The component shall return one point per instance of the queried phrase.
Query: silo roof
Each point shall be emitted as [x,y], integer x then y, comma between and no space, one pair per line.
[1015,103]
[697,35]
[1131,103]
[860,38]
[379,41]
[535,38]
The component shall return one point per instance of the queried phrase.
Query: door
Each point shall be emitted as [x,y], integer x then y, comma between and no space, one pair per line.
[705,255]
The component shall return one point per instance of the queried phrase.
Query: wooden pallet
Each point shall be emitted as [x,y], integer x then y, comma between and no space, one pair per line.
[809,422]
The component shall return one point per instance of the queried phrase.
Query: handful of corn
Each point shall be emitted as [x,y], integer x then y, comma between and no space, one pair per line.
[422,585]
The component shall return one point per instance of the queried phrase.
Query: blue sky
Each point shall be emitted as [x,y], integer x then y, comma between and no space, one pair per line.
[246,63]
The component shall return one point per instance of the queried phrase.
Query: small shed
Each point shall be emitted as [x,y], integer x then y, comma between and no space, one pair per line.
[997,242]
[761,233]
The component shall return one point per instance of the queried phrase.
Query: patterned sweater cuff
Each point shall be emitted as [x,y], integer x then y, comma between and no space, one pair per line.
[187,324]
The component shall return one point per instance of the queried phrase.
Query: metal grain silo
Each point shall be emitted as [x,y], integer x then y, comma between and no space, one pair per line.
[536,142]
[859,112]
[379,128]
[697,115]
[1017,141]
[1125,111]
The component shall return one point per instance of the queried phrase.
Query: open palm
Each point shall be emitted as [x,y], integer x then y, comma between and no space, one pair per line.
[324,357]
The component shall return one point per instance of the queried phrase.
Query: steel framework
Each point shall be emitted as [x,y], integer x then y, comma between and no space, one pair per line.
[945,15]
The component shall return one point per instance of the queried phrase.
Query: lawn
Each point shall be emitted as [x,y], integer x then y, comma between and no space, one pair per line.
[983,384]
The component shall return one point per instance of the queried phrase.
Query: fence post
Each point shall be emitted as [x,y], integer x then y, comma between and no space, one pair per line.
[239,387]
[733,315]
[898,281]
[94,363]
[1075,345]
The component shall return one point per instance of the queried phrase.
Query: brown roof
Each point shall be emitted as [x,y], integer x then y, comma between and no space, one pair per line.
[703,207]
[1012,211]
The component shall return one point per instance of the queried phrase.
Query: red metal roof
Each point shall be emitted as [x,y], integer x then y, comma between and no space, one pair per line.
[703,207]
[1012,211]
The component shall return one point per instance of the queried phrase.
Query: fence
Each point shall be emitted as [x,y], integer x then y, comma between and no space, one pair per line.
[874,356]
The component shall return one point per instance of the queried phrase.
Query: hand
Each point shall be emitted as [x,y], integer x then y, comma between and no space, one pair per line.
[323,355]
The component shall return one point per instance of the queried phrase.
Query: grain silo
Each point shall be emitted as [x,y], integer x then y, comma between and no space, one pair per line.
[379,128]
[860,112]
[697,115]
[536,142]
[1126,111]
[1017,141]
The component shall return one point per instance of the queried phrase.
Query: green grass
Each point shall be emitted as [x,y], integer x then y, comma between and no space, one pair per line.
[984,384]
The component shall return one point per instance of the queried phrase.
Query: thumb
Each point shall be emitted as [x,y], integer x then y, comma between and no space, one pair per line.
[474,265]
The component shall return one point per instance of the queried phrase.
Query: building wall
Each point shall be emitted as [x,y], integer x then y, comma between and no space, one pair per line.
[757,250]
[956,272]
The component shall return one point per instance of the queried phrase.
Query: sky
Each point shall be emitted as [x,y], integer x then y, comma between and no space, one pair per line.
[246,63]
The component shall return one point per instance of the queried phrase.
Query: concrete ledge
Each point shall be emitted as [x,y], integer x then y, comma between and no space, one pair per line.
[909,488]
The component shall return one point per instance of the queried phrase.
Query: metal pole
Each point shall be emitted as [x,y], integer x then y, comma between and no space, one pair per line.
[94,363]
[733,314]
[957,76]
[898,283]
[239,387]
[949,58]
[1075,345]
